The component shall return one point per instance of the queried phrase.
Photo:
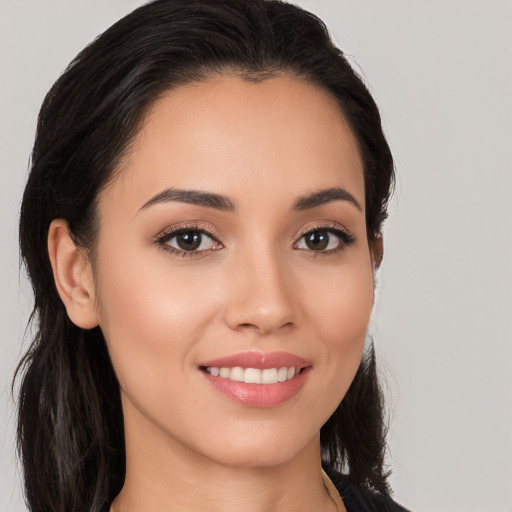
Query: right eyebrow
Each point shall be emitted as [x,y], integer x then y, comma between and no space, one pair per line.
[197,197]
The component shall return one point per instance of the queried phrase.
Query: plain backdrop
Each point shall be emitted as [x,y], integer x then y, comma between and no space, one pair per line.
[441,72]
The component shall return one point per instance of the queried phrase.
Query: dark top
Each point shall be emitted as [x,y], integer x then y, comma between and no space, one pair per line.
[363,499]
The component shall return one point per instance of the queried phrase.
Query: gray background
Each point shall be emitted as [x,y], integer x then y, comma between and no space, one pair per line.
[441,72]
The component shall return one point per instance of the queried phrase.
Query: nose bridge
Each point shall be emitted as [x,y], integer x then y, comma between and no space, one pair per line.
[261,294]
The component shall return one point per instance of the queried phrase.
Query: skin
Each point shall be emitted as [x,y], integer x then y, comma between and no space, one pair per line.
[255,287]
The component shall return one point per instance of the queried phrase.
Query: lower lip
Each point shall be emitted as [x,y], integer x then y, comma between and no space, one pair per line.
[259,395]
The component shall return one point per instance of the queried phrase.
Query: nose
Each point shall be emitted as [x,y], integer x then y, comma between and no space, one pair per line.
[260,294]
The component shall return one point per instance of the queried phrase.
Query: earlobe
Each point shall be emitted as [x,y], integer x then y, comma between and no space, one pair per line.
[73,276]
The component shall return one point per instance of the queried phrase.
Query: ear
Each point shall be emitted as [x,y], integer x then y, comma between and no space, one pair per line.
[377,251]
[73,276]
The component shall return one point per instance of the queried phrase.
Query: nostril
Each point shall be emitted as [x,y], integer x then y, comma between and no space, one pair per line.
[247,326]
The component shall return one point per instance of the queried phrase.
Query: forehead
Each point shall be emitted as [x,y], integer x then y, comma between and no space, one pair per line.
[232,136]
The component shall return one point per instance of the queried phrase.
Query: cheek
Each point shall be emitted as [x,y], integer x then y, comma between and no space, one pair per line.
[341,312]
[150,320]
[342,302]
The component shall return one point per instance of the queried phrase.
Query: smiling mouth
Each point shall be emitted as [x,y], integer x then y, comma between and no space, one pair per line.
[254,375]
[257,379]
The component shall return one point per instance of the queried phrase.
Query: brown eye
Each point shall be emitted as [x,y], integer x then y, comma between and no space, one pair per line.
[190,241]
[317,240]
[324,240]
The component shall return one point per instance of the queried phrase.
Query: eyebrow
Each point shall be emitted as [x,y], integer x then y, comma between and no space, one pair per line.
[197,197]
[220,202]
[325,196]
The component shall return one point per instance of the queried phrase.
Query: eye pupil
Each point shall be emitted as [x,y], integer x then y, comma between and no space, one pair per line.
[189,241]
[317,240]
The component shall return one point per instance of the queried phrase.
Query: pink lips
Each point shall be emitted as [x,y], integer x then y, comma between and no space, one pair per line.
[259,395]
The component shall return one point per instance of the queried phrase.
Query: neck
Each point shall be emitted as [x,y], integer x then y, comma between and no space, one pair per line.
[173,478]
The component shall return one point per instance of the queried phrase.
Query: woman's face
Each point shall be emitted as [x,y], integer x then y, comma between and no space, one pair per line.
[231,248]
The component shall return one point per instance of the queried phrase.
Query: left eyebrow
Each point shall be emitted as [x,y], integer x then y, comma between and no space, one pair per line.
[325,196]
[197,197]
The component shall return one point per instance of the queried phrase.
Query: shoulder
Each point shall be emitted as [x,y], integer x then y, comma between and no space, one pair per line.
[363,499]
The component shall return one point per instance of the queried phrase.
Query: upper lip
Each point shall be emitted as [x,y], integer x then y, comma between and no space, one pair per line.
[259,360]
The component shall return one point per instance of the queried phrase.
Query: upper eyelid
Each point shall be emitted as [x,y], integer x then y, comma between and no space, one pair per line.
[327,225]
[175,230]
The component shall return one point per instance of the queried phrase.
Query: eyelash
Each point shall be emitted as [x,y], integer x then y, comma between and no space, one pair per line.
[162,239]
[167,235]
[345,238]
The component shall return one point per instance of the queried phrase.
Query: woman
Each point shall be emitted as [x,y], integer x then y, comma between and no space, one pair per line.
[202,226]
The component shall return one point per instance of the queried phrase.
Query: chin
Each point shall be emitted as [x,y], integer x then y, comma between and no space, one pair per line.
[261,449]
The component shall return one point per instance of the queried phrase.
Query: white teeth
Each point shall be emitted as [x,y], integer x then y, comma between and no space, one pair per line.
[254,375]
[237,374]
[269,376]
[282,373]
